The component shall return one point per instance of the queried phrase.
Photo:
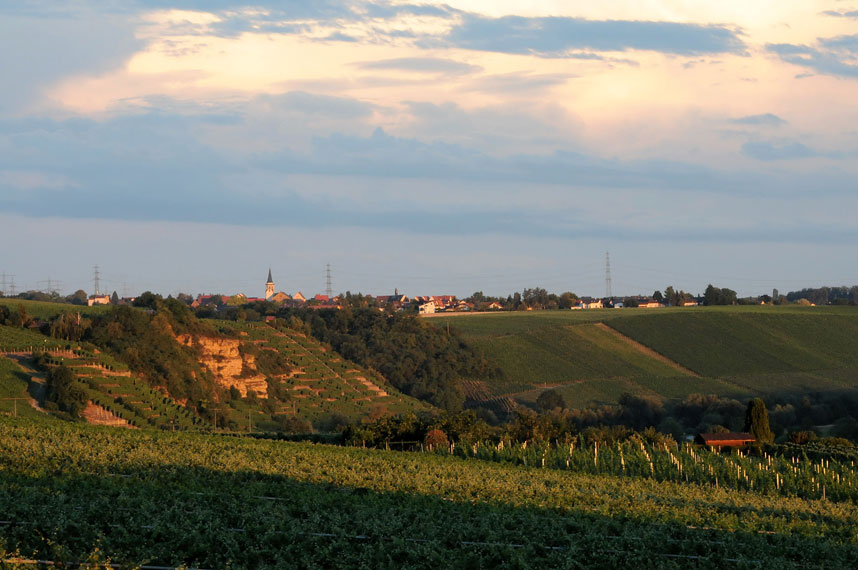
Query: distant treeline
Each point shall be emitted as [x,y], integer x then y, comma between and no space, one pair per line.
[842,295]
[791,420]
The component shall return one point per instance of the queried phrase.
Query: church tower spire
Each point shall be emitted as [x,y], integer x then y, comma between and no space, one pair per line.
[269,286]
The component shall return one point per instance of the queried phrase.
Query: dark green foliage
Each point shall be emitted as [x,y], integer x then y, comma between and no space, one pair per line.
[757,421]
[63,393]
[414,356]
[68,326]
[550,400]
[146,342]
[717,296]
[272,362]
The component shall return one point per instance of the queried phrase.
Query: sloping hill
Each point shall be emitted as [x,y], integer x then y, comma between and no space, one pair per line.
[240,376]
[595,356]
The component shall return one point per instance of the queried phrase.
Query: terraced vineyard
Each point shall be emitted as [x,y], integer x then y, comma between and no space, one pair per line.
[321,382]
[76,493]
[595,356]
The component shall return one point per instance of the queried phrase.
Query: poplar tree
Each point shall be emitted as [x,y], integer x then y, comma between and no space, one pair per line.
[757,421]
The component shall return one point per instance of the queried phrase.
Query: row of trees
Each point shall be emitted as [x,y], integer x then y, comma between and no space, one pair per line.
[786,413]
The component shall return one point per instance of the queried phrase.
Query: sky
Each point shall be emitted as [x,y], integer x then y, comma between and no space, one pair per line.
[434,148]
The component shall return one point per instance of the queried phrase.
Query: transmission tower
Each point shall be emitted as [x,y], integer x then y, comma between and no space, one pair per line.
[329,291]
[608,293]
[12,286]
[96,277]
[3,284]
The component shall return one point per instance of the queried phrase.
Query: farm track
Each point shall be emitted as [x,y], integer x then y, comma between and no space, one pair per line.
[645,350]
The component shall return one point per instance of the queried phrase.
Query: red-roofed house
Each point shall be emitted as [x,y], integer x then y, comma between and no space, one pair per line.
[727,439]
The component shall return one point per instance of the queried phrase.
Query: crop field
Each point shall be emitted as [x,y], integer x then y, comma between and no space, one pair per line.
[593,356]
[73,493]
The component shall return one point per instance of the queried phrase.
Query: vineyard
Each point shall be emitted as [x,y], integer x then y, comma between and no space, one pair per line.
[596,356]
[321,382]
[72,493]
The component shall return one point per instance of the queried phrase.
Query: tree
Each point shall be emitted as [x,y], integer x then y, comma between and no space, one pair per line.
[114,299]
[21,318]
[671,297]
[550,400]
[657,296]
[63,393]
[78,297]
[757,421]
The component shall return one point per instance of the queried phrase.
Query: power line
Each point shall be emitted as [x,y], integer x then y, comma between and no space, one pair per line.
[329,291]
[96,276]
[608,292]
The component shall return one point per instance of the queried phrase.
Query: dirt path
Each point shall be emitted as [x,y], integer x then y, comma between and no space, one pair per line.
[647,351]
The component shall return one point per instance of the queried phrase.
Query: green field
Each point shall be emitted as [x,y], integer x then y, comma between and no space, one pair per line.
[730,351]
[14,383]
[72,493]
[46,310]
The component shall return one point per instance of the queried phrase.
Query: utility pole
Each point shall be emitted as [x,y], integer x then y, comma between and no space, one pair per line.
[15,404]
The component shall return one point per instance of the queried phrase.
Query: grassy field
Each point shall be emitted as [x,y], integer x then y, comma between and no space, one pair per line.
[72,493]
[595,356]
[46,310]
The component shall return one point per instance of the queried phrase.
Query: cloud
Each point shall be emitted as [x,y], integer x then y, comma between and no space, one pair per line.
[38,51]
[767,151]
[841,13]
[830,56]
[511,83]
[422,65]
[315,104]
[765,119]
[559,37]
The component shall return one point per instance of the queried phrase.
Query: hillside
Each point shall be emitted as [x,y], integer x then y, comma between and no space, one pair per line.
[596,356]
[164,368]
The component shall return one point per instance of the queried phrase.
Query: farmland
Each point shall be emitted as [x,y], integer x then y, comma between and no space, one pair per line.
[595,356]
[76,493]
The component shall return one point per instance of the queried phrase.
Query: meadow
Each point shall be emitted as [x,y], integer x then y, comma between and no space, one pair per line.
[74,493]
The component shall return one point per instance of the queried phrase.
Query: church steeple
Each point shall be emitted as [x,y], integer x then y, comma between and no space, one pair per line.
[269,286]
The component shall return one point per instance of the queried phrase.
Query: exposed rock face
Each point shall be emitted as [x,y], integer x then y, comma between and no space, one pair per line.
[224,360]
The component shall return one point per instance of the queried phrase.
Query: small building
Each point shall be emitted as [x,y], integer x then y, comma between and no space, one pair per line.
[299,297]
[444,302]
[726,439]
[280,298]
[495,306]
[426,308]
[98,300]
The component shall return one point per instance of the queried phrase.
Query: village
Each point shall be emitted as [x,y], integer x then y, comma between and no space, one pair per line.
[421,304]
